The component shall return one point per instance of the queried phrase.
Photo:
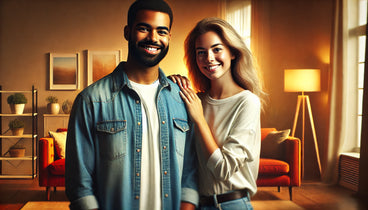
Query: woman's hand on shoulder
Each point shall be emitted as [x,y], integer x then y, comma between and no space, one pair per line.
[182,81]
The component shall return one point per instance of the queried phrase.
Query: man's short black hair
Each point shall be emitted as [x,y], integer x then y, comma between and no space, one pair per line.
[155,5]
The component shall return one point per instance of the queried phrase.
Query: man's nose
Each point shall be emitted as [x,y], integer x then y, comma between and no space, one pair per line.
[153,36]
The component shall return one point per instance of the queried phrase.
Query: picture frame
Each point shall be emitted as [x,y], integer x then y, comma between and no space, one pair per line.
[101,63]
[64,71]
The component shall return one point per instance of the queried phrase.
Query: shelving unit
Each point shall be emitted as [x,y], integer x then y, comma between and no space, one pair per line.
[16,161]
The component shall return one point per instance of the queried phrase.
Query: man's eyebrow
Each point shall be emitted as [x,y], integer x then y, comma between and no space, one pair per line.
[149,26]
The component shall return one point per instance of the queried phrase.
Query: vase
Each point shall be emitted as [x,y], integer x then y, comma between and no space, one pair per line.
[53,108]
[17,131]
[17,108]
[17,152]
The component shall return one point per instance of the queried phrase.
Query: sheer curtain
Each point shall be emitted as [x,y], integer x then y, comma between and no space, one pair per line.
[343,90]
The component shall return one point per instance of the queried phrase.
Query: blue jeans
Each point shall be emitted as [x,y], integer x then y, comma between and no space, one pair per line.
[238,204]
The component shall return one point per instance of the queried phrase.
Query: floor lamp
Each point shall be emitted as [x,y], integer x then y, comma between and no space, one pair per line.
[304,80]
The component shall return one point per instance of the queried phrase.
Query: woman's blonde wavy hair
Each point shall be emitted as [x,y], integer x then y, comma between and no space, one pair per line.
[242,67]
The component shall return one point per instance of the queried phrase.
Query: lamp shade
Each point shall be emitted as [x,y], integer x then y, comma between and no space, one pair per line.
[302,80]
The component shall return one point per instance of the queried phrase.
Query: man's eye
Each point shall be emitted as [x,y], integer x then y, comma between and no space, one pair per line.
[142,29]
[163,32]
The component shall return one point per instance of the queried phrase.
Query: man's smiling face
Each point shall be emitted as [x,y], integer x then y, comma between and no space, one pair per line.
[149,37]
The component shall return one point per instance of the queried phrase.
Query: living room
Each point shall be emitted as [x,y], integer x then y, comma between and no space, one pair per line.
[285,34]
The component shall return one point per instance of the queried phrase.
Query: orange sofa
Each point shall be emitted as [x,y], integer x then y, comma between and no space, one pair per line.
[52,168]
[280,163]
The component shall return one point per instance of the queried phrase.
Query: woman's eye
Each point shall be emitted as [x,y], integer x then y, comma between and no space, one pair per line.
[200,52]
[217,50]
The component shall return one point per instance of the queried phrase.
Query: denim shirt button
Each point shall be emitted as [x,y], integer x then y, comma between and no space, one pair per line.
[112,129]
[136,197]
[163,122]
[166,195]
[137,101]
[138,150]
[137,174]
[164,147]
[139,123]
[165,172]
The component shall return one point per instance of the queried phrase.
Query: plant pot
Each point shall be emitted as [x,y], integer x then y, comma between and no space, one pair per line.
[17,131]
[53,108]
[17,152]
[17,108]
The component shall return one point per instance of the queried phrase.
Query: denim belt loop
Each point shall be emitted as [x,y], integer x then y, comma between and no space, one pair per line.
[215,200]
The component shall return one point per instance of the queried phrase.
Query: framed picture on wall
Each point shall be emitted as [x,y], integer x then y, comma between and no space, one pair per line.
[101,63]
[64,71]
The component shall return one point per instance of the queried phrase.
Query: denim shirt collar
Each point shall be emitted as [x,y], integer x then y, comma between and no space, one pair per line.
[120,79]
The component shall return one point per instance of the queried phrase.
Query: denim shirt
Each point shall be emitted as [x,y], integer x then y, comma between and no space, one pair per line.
[104,145]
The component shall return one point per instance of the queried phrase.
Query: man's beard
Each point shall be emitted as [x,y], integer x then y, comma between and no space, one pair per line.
[143,58]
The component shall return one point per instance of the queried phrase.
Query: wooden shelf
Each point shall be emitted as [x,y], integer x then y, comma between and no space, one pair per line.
[28,136]
[19,115]
[4,176]
[18,158]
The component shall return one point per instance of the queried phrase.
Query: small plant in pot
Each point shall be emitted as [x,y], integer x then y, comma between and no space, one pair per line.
[17,102]
[53,106]
[17,150]
[67,106]
[17,127]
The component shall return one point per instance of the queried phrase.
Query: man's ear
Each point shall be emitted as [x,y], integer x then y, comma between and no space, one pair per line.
[126,33]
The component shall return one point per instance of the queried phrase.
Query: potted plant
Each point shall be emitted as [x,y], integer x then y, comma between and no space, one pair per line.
[17,127]
[17,102]
[53,106]
[67,106]
[17,150]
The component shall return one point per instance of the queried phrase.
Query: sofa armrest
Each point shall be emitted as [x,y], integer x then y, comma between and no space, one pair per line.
[46,157]
[293,157]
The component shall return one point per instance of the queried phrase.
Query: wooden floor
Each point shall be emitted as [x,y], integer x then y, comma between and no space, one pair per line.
[14,194]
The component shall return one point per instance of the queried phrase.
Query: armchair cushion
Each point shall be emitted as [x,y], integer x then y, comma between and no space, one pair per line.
[273,167]
[57,167]
[270,145]
[60,141]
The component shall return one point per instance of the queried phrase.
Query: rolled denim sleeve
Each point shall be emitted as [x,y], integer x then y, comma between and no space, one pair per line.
[189,191]
[80,160]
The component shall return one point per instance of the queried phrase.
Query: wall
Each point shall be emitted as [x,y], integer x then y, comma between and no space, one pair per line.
[295,34]
[30,30]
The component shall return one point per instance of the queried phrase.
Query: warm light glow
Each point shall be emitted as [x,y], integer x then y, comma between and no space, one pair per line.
[302,80]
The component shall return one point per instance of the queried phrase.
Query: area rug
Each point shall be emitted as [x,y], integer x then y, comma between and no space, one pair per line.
[258,205]
[275,205]
[43,205]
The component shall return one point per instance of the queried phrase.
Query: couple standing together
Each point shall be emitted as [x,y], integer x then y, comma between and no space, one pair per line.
[137,140]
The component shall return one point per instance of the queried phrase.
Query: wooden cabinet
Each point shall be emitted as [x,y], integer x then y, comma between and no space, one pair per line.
[19,167]
[51,122]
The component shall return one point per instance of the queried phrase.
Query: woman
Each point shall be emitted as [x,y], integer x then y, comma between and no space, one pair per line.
[226,113]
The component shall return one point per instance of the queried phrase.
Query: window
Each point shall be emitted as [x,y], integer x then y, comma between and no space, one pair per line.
[238,14]
[361,60]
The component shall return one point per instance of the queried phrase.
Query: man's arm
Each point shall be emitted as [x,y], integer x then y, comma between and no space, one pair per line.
[187,206]
[79,161]
[189,191]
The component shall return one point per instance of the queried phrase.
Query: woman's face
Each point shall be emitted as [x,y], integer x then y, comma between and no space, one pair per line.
[212,55]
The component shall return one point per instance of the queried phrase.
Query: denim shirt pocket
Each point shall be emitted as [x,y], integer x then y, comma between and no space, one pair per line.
[180,133]
[112,139]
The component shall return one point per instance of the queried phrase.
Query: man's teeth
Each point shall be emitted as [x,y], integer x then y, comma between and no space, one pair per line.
[151,48]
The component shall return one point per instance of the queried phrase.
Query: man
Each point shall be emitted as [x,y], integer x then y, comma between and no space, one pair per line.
[129,143]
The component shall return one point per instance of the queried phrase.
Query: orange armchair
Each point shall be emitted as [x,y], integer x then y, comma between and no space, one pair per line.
[283,170]
[52,169]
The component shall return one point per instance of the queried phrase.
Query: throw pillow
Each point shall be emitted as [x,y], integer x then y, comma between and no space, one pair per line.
[59,142]
[270,146]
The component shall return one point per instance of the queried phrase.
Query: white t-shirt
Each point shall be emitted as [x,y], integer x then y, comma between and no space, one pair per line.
[150,197]
[235,124]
